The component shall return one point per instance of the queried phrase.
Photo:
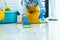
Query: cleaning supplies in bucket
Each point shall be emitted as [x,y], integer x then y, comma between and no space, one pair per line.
[7,8]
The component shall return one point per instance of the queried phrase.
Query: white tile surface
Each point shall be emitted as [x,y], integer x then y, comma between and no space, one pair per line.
[17,32]
[54,30]
[37,32]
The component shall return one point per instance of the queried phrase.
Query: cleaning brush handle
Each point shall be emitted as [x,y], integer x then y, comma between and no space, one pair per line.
[5,3]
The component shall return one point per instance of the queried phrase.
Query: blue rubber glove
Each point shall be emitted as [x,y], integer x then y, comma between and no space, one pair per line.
[41,17]
[41,13]
[25,21]
[26,24]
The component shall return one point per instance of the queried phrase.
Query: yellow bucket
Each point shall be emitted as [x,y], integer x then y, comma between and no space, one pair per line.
[1,15]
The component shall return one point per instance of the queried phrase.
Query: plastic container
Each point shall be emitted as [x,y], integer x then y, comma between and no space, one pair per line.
[10,17]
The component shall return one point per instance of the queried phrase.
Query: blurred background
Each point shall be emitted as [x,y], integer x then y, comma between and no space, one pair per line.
[16,32]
